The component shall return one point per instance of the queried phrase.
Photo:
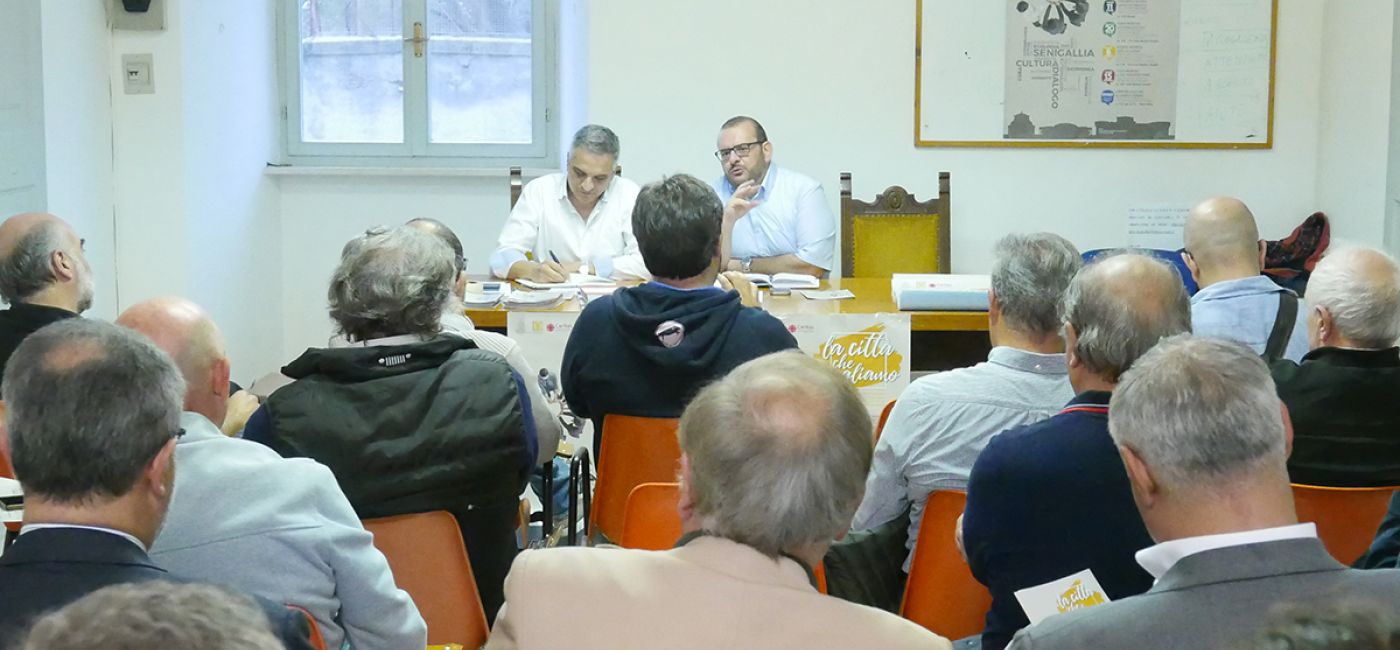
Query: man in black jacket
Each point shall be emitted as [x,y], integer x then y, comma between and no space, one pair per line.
[44,276]
[92,412]
[647,350]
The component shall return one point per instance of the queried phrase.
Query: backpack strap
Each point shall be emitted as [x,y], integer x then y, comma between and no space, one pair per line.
[1283,327]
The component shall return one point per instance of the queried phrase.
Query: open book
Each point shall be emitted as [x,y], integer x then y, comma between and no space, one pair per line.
[784,280]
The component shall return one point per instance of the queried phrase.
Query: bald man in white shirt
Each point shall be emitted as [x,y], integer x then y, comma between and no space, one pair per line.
[576,221]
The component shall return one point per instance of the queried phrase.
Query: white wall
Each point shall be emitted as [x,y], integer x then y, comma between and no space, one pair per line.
[78,134]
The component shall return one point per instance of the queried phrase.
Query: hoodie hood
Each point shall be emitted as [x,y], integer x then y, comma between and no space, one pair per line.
[681,331]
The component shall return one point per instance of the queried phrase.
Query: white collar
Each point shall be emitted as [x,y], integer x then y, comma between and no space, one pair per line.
[1159,559]
[29,528]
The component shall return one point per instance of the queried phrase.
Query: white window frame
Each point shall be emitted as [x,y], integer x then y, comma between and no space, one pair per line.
[416,149]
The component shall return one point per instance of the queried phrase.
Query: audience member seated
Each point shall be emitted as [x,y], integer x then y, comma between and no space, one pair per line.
[1226,258]
[1204,440]
[941,422]
[245,517]
[1050,499]
[774,462]
[44,276]
[155,614]
[1344,398]
[410,420]
[647,350]
[92,413]
[575,221]
[792,229]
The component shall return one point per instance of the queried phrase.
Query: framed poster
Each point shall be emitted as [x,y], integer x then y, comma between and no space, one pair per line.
[1095,73]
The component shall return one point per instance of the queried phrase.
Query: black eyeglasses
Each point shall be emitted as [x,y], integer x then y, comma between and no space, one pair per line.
[179,433]
[741,149]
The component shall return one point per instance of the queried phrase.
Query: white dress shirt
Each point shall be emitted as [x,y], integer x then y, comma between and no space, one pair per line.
[1159,559]
[791,217]
[544,222]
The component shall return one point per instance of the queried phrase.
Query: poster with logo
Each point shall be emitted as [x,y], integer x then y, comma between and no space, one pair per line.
[872,350]
[1092,69]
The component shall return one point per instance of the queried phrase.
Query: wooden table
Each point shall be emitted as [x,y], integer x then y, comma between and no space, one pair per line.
[940,339]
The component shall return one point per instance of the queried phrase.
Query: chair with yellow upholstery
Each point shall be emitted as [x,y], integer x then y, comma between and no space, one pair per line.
[895,233]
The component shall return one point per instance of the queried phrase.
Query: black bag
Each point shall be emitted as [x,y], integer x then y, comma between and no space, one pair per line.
[867,566]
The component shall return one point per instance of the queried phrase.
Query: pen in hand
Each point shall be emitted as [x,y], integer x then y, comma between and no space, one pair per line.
[554,257]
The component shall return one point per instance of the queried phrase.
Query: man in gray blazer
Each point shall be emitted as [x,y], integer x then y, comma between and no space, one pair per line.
[1204,439]
[243,516]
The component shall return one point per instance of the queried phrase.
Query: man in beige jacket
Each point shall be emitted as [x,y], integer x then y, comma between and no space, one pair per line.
[773,465]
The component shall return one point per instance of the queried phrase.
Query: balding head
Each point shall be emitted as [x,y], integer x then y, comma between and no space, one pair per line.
[186,332]
[1117,308]
[777,453]
[42,261]
[1355,298]
[1222,241]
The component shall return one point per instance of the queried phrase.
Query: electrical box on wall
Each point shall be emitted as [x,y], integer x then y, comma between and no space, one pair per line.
[140,15]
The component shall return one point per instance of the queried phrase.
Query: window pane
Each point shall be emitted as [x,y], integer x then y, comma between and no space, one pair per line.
[352,71]
[479,73]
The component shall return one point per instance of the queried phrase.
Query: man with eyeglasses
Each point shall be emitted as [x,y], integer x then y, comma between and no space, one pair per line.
[790,228]
[577,221]
[44,276]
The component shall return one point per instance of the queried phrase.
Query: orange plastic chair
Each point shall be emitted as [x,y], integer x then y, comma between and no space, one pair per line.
[635,450]
[884,417]
[429,561]
[1346,518]
[941,593]
[317,641]
[652,522]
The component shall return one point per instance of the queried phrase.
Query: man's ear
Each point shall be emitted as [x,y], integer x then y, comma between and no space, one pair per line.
[160,472]
[1191,266]
[1326,327]
[1144,485]
[62,265]
[993,307]
[1263,254]
[685,506]
[1071,342]
[218,377]
[5,465]
[1287,429]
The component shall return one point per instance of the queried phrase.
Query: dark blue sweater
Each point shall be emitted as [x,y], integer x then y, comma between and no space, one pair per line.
[1048,500]
[616,360]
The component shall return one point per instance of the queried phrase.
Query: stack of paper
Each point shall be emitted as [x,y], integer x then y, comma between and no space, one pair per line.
[482,299]
[575,281]
[533,299]
[940,292]
[784,280]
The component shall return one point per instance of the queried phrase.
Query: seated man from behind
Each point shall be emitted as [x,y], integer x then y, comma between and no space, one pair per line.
[774,462]
[791,229]
[1237,302]
[647,350]
[1050,499]
[410,420]
[156,614]
[941,422]
[44,276]
[1344,398]
[575,221]
[92,413]
[1204,438]
[245,517]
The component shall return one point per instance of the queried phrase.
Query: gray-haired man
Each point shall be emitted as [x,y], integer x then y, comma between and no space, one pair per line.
[941,422]
[44,276]
[1203,438]
[774,457]
[577,220]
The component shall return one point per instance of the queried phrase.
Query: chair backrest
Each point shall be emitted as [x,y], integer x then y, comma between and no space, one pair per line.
[884,417]
[652,521]
[636,450]
[941,593]
[517,183]
[1346,518]
[895,233]
[429,561]
[317,641]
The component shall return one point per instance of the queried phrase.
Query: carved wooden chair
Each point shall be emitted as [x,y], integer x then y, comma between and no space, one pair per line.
[895,233]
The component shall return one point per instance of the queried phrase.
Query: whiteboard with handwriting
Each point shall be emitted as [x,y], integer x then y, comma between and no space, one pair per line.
[1223,82]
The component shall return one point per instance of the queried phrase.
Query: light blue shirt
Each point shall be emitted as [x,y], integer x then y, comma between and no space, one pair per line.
[943,421]
[791,217]
[1244,310]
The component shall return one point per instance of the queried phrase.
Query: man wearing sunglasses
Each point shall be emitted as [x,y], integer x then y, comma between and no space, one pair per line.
[790,228]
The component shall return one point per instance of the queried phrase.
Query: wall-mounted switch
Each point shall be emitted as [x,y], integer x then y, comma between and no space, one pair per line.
[138,74]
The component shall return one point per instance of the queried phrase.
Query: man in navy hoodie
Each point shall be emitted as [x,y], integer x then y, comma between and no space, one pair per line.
[647,350]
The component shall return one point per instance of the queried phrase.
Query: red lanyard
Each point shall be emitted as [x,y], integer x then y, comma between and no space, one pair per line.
[1085,408]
